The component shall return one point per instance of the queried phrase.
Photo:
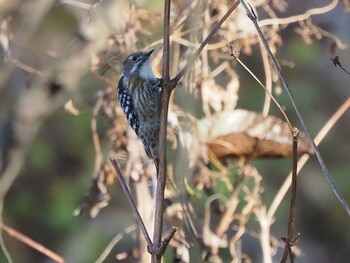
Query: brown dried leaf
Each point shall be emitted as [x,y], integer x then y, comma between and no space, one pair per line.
[249,134]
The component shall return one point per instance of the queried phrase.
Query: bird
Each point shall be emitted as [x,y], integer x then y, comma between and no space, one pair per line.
[139,96]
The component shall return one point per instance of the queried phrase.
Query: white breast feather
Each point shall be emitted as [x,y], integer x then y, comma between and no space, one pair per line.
[146,71]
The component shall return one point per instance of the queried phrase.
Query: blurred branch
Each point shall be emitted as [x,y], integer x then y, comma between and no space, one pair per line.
[40,97]
[95,137]
[268,80]
[5,250]
[28,68]
[33,13]
[297,18]
[40,100]
[31,22]
[113,242]
[335,38]
[230,207]
[30,242]
[265,223]
[75,3]
[341,199]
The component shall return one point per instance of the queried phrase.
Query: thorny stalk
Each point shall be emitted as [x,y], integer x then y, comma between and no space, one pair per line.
[341,199]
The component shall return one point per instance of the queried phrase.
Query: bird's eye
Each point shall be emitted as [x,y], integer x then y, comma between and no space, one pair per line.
[134,58]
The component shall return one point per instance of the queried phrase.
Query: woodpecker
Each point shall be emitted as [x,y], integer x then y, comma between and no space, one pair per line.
[139,96]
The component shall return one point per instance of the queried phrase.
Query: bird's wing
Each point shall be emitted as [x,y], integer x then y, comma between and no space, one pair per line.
[126,102]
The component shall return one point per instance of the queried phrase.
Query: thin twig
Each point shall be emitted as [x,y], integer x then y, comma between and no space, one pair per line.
[113,242]
[289,239]
[268,79]
[341,199]
[294,183]
[266,90]
[28,68]
[301,17]
[230,207]
[204,43]
[336,62]
[78,4]
[30,242]
[5,250]
[95,138]
[131,201]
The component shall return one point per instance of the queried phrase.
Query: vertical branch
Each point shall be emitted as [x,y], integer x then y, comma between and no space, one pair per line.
[166,44]
[294,184]
[158,249]
[290,240]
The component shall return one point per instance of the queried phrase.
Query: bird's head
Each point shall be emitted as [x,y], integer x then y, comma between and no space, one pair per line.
[138,66]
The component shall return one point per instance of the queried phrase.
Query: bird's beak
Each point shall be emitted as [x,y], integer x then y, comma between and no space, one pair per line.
[149,53]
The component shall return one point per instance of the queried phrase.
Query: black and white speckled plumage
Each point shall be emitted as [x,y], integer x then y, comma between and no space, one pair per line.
[139,96]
